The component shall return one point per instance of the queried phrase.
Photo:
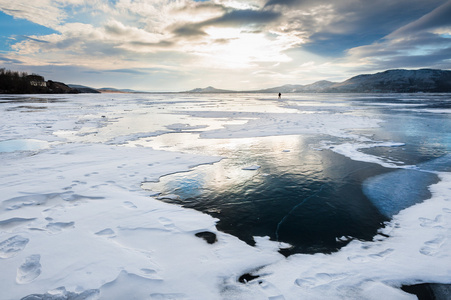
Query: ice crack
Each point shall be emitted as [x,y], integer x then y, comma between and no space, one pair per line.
[294,208]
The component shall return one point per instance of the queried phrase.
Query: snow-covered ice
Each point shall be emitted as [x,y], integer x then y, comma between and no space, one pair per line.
[75,222]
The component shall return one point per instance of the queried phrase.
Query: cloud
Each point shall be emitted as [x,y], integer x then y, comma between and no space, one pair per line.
[160,44]
[282,2]
[43,12]
[116,31]
[188,30]
[330,28]
[234,18]
[9,60]
[423,43]
[127,71]
[437,19]
[34,39]
[199,8]
[245,17]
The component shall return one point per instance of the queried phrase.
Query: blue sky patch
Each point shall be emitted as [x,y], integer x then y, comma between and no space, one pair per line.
[13,30]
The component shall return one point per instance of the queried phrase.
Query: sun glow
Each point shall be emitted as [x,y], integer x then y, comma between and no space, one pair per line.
[233,48]
[223,32]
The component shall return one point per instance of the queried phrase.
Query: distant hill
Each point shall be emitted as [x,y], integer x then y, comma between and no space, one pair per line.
[209,89]
[397,81]
[287,88]
[391,81]
[114,90]
[318,86]
[83,89]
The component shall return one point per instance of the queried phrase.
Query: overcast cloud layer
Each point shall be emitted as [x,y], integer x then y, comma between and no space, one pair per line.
[164,45]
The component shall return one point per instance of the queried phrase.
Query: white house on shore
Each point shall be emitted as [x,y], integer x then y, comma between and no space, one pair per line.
[36,80]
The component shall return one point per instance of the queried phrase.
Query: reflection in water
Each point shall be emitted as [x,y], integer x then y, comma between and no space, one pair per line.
[301,196]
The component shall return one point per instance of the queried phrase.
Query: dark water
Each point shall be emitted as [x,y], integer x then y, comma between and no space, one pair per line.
[305,197]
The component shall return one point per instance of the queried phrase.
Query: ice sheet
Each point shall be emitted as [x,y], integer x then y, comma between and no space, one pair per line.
[75,221]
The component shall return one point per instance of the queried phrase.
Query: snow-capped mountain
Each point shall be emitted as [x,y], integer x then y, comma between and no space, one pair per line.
[396,81]
[209,89]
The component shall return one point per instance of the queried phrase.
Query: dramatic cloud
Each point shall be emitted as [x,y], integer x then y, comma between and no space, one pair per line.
[42,12]
[257,42]
[425,42]
[439,19]
[188,30]
[245,17]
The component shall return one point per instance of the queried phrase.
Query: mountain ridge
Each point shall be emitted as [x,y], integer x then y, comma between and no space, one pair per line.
[389,81]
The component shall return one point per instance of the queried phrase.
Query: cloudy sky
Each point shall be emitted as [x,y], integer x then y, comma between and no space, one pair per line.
[177,45]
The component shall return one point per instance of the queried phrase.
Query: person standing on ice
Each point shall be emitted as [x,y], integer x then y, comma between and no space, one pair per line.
[280,95]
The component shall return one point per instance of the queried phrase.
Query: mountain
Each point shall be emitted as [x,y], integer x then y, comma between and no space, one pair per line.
[287,88]
[83,89]
[55,87]
[209,89]
[113,90]
[397,81]
[319,86]
[316,87]
[390,81]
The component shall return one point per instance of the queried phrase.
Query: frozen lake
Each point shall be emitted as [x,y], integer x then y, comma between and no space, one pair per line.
[104,194]
[303,193]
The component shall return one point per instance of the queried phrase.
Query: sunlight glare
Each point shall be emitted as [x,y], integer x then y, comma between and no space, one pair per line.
[233,48]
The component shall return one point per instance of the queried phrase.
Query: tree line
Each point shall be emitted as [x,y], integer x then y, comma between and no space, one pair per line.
[14,82]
